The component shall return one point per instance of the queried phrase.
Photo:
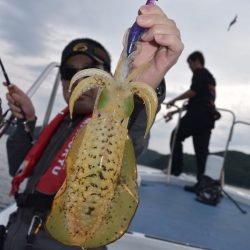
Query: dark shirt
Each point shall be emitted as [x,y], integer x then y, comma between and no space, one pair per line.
[201,107]
[203,84]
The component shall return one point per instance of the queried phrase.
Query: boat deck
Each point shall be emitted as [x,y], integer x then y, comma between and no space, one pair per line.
[167,212]
[168,218]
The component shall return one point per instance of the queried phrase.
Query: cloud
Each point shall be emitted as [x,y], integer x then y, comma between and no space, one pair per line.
[33,34]
[23,32]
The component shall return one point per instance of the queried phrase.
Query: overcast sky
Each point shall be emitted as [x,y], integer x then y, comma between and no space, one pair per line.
[33,34]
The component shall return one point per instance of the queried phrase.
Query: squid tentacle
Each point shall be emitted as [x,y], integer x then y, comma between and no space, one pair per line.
[136,72]
[85,85]
[149,97]
[90,72]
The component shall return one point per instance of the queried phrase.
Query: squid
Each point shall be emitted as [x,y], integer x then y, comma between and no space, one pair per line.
[99,196]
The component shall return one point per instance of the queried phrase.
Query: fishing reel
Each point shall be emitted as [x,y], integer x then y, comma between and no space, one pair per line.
[178,110]
[4,121]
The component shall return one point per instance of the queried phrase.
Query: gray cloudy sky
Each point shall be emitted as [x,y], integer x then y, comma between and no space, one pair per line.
[33,34]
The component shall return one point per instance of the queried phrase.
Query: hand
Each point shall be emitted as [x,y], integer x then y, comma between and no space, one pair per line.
[20,104]
[170,104]
[161,44]
[168,116]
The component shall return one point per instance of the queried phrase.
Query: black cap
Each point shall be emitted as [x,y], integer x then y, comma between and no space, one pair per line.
[88,47]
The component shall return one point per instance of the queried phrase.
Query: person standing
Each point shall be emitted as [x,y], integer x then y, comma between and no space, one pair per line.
[199,119]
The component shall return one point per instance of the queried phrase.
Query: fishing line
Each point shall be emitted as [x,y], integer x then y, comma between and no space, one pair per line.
[234,201]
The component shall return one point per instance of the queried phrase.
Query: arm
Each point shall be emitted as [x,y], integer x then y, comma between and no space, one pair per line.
[186,95]
[19,143]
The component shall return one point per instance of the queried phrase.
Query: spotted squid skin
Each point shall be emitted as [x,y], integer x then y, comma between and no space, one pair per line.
[99,196]
[92,181]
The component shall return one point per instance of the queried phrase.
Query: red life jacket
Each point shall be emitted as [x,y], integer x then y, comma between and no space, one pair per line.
[53,178]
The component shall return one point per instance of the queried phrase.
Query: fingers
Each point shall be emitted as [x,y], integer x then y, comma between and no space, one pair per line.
[15,109]
[20,104]
[151,9]
[170,41]
[14,89]
[161,44]
[13,105]
[170,104]
[168,116]
[161,29]
[151,15]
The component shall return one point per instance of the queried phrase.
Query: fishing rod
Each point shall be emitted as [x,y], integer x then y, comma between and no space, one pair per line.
[1,112]
[5,124]
[2,115]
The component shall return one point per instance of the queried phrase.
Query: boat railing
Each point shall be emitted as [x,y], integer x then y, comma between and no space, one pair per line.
[233,123]
[179,110]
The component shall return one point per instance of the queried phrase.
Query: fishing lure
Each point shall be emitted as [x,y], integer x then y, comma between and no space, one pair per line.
[99,196]
[136,32]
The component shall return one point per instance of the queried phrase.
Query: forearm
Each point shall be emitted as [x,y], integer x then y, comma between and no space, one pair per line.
[187,94]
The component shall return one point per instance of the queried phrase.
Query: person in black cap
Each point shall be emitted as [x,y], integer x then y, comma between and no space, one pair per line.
[161,42]
[89,47]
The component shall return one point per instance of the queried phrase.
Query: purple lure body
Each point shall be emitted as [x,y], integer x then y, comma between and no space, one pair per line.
[135,33]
